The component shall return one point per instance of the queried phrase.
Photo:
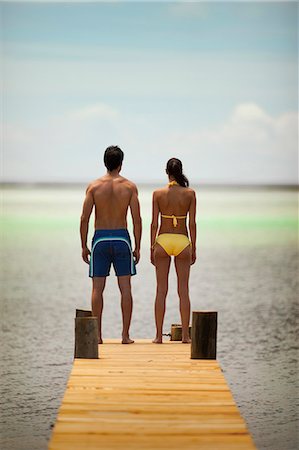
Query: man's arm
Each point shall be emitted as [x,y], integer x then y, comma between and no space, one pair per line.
[137,224]
[154,225]
[86,212]
[192,226]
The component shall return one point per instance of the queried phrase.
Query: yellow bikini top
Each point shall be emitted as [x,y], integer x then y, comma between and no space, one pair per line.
[173,217]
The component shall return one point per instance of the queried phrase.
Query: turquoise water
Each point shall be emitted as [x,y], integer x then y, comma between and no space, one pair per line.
[247,270]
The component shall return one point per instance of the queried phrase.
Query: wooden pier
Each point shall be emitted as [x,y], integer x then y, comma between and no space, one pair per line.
[148,396]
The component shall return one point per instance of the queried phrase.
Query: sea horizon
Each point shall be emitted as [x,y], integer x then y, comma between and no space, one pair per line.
[148,184]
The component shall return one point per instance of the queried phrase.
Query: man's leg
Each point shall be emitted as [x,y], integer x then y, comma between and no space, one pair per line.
[124,283]
[98,286]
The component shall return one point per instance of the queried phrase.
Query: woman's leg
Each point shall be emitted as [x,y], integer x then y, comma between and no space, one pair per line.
[162,264]
[182,266]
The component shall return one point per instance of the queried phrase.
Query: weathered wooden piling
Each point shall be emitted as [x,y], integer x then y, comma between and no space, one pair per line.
[86,337]
[176,332]
[83,313]
[204,335]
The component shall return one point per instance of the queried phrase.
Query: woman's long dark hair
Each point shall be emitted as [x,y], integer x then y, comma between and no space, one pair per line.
[174,168]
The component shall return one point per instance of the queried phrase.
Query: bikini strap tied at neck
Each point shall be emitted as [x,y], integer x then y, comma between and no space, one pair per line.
[173,183]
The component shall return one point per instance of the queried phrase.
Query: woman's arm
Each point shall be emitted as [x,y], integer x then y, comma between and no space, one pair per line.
[192,226]
[154,225]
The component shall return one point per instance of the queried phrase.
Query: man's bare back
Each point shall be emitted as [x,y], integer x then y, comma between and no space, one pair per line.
[112,196]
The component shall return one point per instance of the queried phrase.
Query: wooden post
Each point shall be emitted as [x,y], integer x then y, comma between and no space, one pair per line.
[176,332]
[204,335]
[83,313]
[86,337]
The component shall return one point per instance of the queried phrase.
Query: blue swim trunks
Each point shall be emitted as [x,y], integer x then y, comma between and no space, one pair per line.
[111,247]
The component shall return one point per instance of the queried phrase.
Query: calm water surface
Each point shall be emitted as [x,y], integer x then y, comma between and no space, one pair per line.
[247,270]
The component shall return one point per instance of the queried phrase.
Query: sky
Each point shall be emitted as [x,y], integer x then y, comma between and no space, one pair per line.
[212,83]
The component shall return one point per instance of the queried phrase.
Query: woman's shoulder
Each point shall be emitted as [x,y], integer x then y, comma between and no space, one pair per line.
[191,192]
[159,191]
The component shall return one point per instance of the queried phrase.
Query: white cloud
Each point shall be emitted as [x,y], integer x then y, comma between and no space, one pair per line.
[192,9]
[249,146]
[250,112]
[97,111]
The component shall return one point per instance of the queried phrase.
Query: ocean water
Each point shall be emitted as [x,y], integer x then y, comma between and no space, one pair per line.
[247,270]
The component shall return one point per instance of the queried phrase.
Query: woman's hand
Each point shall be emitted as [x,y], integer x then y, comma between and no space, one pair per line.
[193,256]
[152,257]
[136,254]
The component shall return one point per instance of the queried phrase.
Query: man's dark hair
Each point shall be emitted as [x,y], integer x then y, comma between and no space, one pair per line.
[113,157]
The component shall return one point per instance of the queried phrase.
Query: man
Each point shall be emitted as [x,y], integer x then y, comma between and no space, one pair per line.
[111,196]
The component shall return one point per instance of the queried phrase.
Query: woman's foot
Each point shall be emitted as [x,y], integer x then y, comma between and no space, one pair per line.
[158,340]
[186,340]
[100,340]
[127,340]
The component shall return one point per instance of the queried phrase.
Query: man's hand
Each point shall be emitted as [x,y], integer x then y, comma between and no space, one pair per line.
[136,254]
[193,257]
[152,257]
[85,254]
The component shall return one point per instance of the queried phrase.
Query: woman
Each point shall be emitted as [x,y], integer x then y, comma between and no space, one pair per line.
[173,202]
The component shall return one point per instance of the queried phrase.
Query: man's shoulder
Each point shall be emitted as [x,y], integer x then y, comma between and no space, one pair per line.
[94,184]
[128,183]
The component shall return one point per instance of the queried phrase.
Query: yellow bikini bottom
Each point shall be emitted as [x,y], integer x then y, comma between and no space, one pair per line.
[173,243]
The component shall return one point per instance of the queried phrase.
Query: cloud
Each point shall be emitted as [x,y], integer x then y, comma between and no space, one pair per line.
[97,111]
[189,9]
[250,112]
[248,146]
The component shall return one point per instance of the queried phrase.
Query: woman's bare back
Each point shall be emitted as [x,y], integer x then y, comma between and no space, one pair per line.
[174,200]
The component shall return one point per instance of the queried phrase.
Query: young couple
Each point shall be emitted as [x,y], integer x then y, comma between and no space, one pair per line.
[111,196]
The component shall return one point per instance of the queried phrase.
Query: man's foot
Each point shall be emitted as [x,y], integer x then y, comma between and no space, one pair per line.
[127,340]
[186,340]
[158,340]
[100,341]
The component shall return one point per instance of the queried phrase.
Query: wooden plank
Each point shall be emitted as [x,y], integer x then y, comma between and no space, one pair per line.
[148,408]
[146,396]
[200,442]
